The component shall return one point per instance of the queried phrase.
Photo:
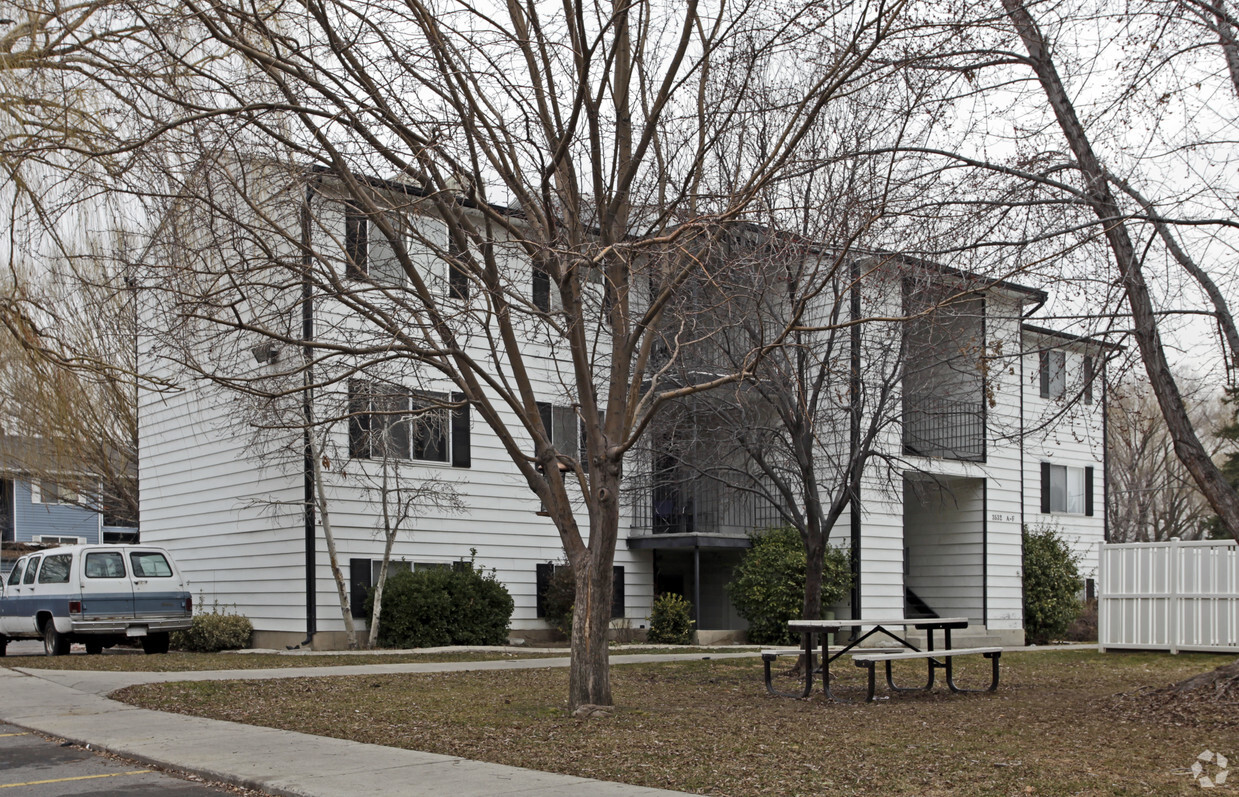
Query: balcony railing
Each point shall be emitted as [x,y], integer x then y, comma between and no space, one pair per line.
[701,506]
[935,427]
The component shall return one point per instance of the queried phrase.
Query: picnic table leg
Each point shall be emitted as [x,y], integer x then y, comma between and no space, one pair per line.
[993,657]
[808,676]
[929,681]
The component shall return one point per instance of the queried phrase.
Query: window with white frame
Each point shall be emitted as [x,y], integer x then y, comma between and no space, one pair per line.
[47,492]
[370,253]
[1066,489]
[388,421]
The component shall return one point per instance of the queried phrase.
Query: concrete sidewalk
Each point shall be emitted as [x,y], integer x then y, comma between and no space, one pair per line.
[71,705]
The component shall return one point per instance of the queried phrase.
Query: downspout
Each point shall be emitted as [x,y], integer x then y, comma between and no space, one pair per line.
[854,437]
[307,398]
[1023,494]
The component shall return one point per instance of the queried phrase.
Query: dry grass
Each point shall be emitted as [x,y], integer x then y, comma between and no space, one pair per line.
[1053,728]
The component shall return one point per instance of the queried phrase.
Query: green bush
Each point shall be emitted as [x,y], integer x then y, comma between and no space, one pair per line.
[461,605]
[671,622]
[559,598]
[768,586]
[214,631]
[1051,585]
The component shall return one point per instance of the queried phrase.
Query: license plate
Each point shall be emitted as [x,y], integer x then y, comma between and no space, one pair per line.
[135,630]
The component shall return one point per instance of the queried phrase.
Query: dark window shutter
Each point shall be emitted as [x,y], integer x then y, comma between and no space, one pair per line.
[541,289]
[1088,491]
[617,593]
[359,579]
[358,419]
[461,455]
[1088,379]
[1043,359]
[1045,488]
[356,243]
[542,584]
[584,446]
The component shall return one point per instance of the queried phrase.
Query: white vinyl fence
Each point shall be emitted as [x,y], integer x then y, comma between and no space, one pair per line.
[1169,595]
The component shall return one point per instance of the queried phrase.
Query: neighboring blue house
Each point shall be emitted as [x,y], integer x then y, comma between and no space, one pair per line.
[34,510]
[40,512]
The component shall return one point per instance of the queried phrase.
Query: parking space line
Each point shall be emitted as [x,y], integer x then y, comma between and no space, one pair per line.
[79,777]
[5,735]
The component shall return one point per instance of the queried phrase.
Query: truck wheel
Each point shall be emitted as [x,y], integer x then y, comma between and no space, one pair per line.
[94,648]
[155,643]
[54,643]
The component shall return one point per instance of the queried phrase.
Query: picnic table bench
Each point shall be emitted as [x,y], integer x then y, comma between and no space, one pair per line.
[936,659]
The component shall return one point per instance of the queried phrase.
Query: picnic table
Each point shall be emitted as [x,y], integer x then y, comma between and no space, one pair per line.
[935,658]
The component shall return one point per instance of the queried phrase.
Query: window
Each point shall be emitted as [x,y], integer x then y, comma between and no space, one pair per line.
[363,574]
[55,569]
[369,252]
[1053,368]
[563,426]
[1067,490]
[389,421]
[15,577]
[356,243]
[149,564]
[31,567]
[542,576]
[110,564]
[54,540]
[45,492]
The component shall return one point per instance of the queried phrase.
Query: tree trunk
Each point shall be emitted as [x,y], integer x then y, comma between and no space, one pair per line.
[589,675]
[320,498]
[815,553]
[1187,446]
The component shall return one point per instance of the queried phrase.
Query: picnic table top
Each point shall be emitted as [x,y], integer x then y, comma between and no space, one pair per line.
[835,625]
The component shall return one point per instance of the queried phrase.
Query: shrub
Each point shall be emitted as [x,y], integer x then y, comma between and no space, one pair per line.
[461,605]
[214,631]
[1051,585]
[559,598]
[768,586]
[671,622]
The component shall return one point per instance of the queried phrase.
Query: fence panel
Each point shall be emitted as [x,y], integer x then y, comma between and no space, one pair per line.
[1169,595]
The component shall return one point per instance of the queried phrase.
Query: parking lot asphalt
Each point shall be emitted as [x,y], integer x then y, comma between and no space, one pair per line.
[34,766]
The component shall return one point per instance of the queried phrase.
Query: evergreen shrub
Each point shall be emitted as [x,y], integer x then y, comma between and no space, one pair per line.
[214,631]
[671,621]
[1052,585]
[767,588]
[461,605]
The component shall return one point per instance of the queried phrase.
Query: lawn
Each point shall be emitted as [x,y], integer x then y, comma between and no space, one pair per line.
[1064,722]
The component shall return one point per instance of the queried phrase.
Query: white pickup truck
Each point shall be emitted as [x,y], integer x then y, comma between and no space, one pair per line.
[94,594]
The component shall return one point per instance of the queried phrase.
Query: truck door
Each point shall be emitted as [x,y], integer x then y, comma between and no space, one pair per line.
[157,589]
[8,597]
[107,592]
[19,599]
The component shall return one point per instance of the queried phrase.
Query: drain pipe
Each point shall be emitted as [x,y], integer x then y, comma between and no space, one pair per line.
[307,398]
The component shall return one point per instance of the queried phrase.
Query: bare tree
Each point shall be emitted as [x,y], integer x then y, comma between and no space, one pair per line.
[1152,497]
[566,169]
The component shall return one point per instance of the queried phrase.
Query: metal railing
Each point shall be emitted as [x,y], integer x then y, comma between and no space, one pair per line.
[936,427]
[700,506]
